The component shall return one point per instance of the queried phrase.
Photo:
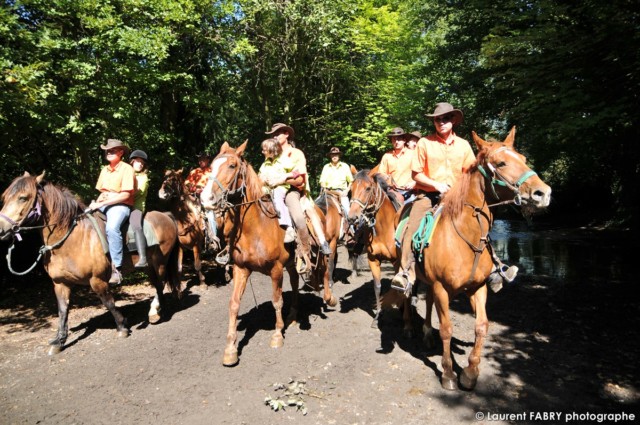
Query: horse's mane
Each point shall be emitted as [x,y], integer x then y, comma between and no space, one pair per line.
[252,182]
[381,179]
[62,205]
[321,202]
[454,199]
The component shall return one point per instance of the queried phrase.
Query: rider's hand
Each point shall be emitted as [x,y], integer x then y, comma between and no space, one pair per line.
[442,187]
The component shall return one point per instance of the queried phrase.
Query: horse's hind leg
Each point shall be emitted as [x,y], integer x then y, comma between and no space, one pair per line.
[374,265]
[427,328]
[62,292]
[446,333]
[469,376]
[156,276]
[197,264]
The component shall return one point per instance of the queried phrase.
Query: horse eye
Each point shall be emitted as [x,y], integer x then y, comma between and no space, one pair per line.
[501,164]
[23,198]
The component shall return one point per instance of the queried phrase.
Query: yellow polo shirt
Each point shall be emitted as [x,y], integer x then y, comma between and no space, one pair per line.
[336,176]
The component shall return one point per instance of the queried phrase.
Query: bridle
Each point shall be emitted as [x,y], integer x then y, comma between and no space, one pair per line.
[369,206]
[222,202]
[497,179]
[34,214]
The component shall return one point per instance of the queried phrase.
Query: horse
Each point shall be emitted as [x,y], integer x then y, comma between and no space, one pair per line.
[458,259]
[329,203]
[255,240]
[73,253]
[182,206]
[372,213]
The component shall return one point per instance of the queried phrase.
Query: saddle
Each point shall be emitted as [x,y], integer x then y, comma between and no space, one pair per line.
[422,237]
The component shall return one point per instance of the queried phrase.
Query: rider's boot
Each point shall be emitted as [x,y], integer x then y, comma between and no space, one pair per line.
[141,244]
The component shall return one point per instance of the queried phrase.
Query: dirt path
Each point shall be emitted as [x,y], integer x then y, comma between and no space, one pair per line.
[550,349]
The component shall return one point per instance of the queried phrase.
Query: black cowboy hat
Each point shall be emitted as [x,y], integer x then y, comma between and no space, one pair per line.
[444,108]
[113,144]
[138,154]
[334,151]
[398,131]
[279,126]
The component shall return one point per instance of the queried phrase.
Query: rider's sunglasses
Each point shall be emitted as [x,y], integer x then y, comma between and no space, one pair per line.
[444,118]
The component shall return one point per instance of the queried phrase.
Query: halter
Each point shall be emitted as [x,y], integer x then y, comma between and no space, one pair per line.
[503,181]
[369,209]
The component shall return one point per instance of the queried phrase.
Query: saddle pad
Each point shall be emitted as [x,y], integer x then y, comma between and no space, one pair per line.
[149,234]
[422,237]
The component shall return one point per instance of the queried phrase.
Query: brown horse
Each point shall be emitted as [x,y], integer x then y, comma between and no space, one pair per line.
[190,225]
[329,203]
[255,240]
[373,215]
[458,259]
[73,252]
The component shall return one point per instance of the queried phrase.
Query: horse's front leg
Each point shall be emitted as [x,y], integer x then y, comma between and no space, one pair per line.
[197,264]
[157,279]
[446,333]
[62,292]
[101,287]
[374,265]
[328,296]
[469,376]
[277,340]
[240,276]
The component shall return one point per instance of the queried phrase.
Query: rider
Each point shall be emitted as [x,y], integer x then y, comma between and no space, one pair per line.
[138,160]
[397,165]
[117,185]
[439,161]
[336,176]
[195,182]
[411,140]
[297,199]
[274,171]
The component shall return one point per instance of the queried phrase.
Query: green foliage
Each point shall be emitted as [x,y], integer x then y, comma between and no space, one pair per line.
[175,77]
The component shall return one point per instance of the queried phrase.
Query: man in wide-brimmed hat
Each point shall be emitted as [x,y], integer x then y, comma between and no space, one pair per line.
[195,182]
[396,164]
[412,139]
[438,162]
[336,176]
[297,198]
[198,177]
[117,185]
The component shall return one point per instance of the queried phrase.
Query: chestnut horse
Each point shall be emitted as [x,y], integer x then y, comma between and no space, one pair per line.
[255,240]
[373,215]
[458,259]
[73,253]
[182,206]
[329,203]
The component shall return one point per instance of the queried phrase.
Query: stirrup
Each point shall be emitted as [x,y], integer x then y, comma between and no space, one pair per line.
[303,264]
[223,256]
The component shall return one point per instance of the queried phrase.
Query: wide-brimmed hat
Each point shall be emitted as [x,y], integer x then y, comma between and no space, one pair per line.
[398,131]
[415,134]
[113,144]
[138,154]
[280,126]
[334,151]
[444,108]
[203,155]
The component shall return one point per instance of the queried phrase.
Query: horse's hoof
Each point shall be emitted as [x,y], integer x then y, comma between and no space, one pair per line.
[468,382]
[332,301]
[374,323]
[230,358]
[449,383]
[54,349]
[123,333]
[277,341]
[154,318]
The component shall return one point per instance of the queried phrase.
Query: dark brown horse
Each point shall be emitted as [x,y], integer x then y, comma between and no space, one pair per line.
[255,240]
[373,215]
[329,203]
[184,209]
[73,252]
[458,259]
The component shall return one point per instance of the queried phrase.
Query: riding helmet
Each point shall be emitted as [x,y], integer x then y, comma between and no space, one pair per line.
[138,154]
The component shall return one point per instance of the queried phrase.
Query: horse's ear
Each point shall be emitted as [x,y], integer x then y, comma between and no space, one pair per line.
[167,173]
[510,137]
[225,146]
[480,143]
[242,147]
[26,174]
[40,177]
[180,171]
[354,170]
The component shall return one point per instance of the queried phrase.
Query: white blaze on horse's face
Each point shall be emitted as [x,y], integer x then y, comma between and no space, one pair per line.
[206,196]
